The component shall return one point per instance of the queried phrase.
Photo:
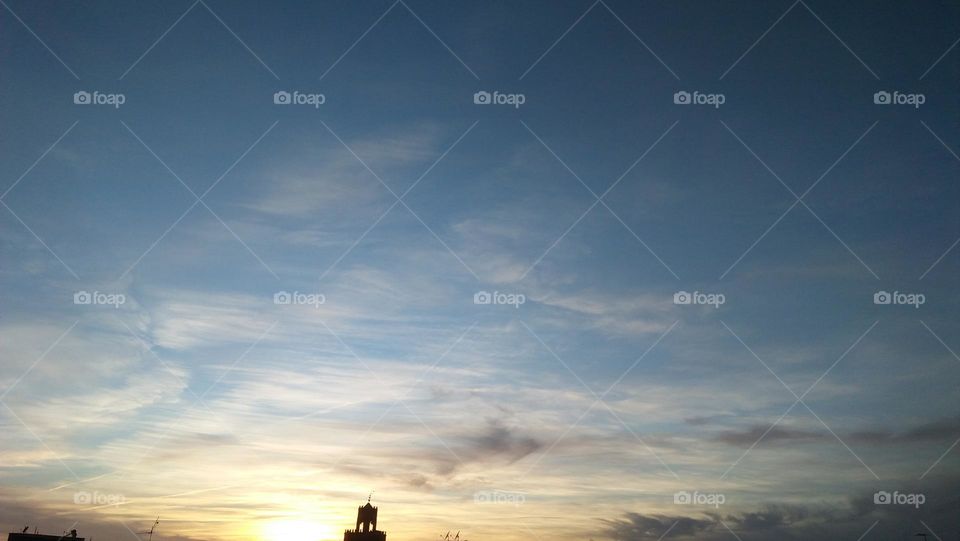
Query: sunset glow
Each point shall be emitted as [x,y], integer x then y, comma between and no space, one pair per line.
[497,270]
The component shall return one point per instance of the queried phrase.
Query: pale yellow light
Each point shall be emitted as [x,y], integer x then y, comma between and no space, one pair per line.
[297,530]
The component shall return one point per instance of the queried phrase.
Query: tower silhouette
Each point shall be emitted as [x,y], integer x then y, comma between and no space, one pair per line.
[366,529]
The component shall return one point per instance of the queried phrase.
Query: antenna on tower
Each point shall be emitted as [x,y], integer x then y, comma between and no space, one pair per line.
[369,496]
[150,531]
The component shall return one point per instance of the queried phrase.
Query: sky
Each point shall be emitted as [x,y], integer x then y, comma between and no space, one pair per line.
[526,270]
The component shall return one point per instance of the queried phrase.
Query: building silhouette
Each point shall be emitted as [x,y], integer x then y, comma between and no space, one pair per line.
[26,536]
[366,529]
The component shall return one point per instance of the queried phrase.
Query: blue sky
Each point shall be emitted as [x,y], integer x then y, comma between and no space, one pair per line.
[581,412]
